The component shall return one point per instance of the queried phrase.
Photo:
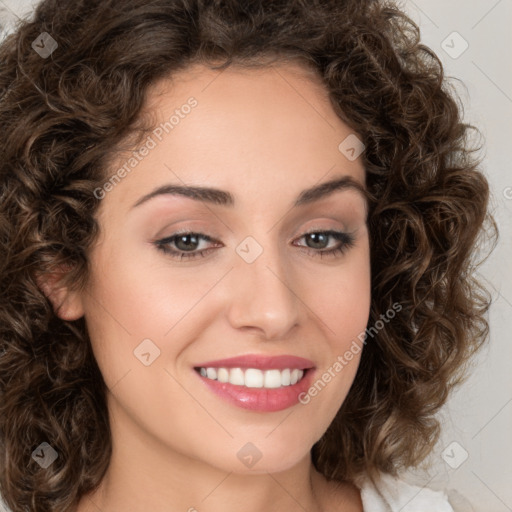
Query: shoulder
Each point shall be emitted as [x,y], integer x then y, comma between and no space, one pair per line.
[390,494]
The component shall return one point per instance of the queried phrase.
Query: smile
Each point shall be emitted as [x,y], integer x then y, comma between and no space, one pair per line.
[260,383]
[254,377]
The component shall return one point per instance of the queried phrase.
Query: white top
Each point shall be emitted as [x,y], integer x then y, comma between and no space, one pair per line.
[390,494]
[3,506]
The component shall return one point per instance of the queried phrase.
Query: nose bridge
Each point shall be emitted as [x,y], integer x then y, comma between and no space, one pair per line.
[263,297]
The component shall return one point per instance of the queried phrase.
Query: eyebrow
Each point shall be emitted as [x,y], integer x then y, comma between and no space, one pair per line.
[224,198]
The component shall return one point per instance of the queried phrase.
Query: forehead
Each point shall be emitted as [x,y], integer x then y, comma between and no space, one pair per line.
[288,95]
[260,129]
[198,77]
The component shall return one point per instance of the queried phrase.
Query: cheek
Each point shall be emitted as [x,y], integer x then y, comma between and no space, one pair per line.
[342,302]
[343,306]
[120,314]
[133,301]
[139,297]
[342,299]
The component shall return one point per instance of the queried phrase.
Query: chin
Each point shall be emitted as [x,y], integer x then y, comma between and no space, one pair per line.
[261,456]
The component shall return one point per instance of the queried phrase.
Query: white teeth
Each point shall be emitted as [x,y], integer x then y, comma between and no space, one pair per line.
[222,375]
[294,376]
[254,377]
[273,379]
[236,377]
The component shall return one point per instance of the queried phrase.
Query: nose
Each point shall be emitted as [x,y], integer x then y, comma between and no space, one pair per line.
[262,295]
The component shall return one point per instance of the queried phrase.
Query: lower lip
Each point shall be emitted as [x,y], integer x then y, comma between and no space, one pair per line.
[260,399]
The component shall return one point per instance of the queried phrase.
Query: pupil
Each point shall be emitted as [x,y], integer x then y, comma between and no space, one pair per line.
[187,246]
[315,238]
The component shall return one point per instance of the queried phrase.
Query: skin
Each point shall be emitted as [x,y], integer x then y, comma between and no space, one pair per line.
[264,135]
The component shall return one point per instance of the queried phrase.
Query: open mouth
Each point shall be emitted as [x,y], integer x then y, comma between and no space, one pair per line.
[254,377]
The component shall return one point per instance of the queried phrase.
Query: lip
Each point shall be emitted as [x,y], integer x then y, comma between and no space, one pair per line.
[260,399]
[261,362]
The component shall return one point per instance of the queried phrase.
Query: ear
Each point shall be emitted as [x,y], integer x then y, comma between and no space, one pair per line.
[67,303]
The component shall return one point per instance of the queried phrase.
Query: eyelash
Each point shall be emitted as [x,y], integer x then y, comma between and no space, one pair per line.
[347,241]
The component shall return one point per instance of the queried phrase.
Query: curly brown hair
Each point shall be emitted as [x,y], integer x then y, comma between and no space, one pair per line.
[64,119]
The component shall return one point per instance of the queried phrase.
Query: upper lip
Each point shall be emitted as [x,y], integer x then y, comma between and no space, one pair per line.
[262,362]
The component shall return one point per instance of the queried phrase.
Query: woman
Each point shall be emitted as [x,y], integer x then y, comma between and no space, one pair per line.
[237,256]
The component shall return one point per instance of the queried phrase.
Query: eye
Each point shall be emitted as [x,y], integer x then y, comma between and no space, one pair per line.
[320,238]
[186,244]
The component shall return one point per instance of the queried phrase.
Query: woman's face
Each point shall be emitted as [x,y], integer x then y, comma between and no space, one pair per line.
[261,291]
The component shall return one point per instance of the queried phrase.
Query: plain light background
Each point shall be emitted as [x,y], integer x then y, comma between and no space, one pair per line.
[474,41]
